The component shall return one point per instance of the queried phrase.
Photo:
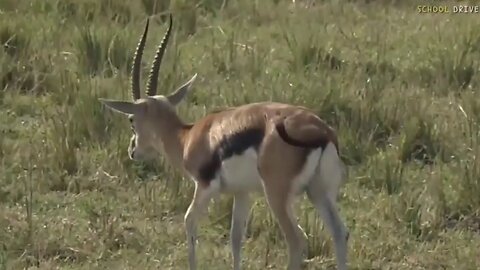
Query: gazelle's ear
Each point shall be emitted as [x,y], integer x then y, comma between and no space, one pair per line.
[181,92]
[124,107]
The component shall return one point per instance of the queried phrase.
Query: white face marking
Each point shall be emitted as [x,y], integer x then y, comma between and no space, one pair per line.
[240,173]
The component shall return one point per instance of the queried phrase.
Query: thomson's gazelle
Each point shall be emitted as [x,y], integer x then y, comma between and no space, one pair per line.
[280,149]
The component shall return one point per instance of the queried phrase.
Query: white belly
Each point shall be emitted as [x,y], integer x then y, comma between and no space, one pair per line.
[240,173]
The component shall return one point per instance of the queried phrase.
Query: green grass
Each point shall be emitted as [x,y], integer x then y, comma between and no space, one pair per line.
[402,89]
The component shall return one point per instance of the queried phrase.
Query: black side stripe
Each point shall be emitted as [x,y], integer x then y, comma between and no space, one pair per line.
[231,145]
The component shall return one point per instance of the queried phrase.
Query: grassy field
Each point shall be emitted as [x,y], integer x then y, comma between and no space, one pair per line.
[401,88]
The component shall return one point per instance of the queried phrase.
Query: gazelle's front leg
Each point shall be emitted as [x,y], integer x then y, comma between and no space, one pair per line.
[201,198]
[241,209]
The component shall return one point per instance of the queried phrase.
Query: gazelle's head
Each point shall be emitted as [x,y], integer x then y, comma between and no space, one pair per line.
[150,114]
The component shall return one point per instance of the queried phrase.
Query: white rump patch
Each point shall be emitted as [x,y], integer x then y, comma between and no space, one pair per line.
[309,169]
[332,171]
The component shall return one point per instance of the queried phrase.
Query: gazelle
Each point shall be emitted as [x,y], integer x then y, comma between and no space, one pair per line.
[280,149]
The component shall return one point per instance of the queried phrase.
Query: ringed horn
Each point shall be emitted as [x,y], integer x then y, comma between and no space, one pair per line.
[153,77]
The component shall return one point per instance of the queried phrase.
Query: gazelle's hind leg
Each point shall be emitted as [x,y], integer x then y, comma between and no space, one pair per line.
[281,204]
[322,192]
[282,180]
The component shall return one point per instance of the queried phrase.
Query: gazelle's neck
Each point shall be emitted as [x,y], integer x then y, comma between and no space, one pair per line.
[173,131]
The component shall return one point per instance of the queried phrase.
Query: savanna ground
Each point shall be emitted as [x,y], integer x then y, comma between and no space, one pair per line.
[400,87]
